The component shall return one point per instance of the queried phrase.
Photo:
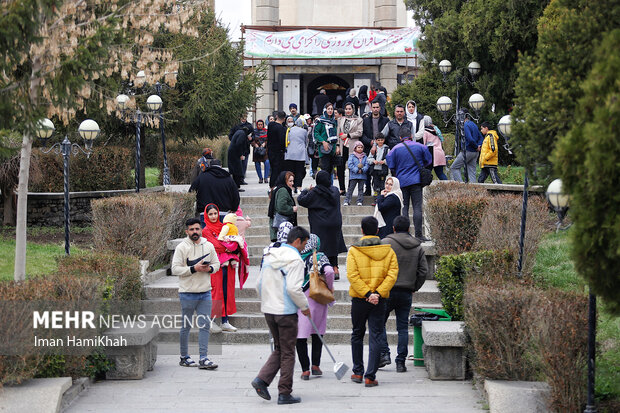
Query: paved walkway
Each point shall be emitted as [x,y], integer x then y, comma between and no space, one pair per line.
[171,388]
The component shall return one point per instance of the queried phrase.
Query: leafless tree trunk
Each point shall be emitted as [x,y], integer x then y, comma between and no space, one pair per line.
[22,209]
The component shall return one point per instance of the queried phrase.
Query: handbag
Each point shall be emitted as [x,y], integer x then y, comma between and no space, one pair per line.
[278,219]
[426,176]
[260,151]
[319,291]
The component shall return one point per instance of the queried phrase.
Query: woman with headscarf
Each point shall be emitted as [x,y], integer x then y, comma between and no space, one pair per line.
[318,312]
[389,206]
[416,119]
[325,218]
[223,281]
[296,151]
[282,202]
[326,138]
[432,139]
[363,99]
[237,151]
[352,98]
[259,142]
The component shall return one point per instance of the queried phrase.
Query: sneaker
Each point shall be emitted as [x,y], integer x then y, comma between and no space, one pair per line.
[423,239]
[207,364]
[371,383]
[260,181]
[384,360]
[228,327]
[261,388]
[215,329]
[400,367]
[373,204]
[305,375]
[187,362]
[359,204]
[345,203]
[288,399]
[357,378]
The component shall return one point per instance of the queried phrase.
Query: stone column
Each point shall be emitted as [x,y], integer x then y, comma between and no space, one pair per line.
[266,13]
[385,16]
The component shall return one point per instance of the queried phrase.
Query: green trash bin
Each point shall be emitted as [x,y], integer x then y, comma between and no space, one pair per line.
[423,314]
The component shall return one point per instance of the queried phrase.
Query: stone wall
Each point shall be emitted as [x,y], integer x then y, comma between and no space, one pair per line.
[47,209]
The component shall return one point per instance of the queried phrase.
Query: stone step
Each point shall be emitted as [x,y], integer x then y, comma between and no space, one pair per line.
[260,229]
[429,293]
[262,336]
[256,201]
[160,306]
[261,210]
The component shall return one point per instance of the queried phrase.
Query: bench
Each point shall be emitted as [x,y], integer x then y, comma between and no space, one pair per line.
[136,356]
[444,349]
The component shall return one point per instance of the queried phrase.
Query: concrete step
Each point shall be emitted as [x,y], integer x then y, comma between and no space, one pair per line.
[261,229]
[261,210]
[262,336]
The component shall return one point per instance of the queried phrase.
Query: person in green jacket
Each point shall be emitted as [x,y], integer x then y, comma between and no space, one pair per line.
[282,204]
[326,137]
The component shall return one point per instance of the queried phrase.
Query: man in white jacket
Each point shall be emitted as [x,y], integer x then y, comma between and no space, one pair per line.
[194,261]
[280,292]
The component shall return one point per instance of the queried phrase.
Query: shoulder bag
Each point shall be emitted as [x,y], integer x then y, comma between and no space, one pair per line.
[426,176]
[319,291]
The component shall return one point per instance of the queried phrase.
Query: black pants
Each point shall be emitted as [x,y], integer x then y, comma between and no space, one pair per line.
[314,164]
[489,171]
[302,352]
[340,169]
[298,168]
[327,164]
[378,180]
[361,312]
[238,180]
[413,193]
[275,163]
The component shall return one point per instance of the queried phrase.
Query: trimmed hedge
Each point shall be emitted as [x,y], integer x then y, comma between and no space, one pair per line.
[141,224]
[107,168]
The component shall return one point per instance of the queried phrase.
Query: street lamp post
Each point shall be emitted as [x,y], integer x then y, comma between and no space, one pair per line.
[88,130]
[159,106]
[558,200]
[444,103]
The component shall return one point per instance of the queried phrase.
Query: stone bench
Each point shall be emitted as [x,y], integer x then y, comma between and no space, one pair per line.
[444,349]
[136,356]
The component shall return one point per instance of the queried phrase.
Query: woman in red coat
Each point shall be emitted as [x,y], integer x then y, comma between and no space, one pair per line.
[223,281]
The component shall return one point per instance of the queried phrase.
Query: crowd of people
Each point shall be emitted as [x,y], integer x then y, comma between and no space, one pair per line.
[385,157]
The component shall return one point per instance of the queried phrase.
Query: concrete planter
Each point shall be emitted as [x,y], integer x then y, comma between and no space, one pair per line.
[517,396]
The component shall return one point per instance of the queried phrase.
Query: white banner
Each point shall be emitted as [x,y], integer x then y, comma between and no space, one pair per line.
[309,43]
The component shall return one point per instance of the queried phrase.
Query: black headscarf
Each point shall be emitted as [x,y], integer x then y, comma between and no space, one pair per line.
[323,187]
[280,183]
[363,93]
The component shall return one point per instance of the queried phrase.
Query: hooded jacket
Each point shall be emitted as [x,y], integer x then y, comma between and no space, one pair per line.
[371,267]
[489,150]
[412,265]
[216,185]
[280,281]
[186,255]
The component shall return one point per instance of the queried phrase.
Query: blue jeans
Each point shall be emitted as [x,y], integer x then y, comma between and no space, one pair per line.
[201,304]
[440,174]
[400,303]
[258,169]
[362,311]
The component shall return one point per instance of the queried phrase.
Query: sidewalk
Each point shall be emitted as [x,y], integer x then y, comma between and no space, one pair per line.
[171,388]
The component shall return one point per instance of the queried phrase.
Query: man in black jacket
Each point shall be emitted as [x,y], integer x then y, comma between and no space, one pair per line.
[372,125]
[243,122]
[215,185]
[276,136]
[412,271]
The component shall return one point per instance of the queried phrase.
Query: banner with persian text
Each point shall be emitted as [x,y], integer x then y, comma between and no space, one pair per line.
[308,43]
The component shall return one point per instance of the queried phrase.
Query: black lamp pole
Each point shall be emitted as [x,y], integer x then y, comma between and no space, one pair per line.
[163,137]
[591,406]
[138,123]
[523,222]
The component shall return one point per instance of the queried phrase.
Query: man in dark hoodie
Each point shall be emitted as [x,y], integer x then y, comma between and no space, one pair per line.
[412,270]
[215,185]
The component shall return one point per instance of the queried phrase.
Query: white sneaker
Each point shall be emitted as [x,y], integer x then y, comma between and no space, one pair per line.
[228,327]
[215,328]
[346,204]
[359,204]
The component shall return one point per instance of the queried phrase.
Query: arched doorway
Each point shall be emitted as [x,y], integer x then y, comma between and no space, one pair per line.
[334,85]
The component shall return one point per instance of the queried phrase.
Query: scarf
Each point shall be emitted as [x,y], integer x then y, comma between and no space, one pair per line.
[359,156]
[313,244]
[212,230]
[323,188]
[396,192]
[330,123]
[411,117]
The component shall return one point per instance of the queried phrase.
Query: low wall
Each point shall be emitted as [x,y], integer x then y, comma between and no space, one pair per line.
[47,208]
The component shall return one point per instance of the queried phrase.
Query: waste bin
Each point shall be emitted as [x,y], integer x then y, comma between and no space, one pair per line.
[423,314]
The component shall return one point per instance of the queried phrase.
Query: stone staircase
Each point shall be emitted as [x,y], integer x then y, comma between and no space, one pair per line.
[162,294]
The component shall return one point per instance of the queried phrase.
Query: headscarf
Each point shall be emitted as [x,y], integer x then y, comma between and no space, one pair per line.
[313,244]
[330,123]
[395,191]
[363,95]
[359,156]
[323,188]
[280,183]
[212,230]
[283,231]
[411,117]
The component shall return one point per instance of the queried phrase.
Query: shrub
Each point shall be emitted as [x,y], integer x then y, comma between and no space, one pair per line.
[453,271]
[501,227]
[500,324]
[107,168]
[180,166]
[454,212]
[182,158]
[141,225]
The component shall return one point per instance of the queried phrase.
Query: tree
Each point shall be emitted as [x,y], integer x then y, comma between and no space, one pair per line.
[587,160]
[490,32]
[56,52]
[548,87]
[9,169]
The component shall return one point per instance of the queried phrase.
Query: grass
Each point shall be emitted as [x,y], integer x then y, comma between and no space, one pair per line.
[554,269]
[151,176]
[40,258]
